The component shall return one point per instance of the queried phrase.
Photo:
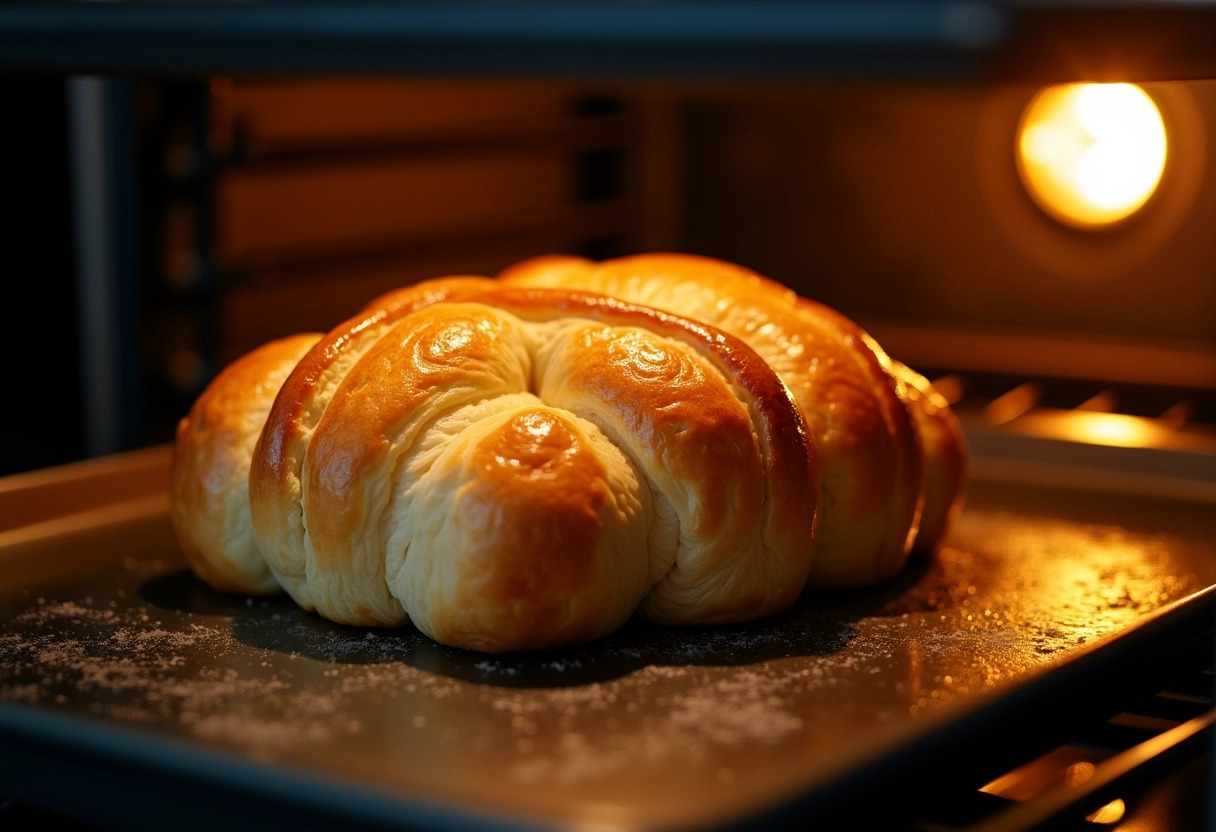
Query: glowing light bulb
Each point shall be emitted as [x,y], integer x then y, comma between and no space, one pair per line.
[1091,154]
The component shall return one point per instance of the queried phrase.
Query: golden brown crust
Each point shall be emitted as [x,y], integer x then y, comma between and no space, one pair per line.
[434,359]
[274,478]
[871,459]
[945,458]
[534,480]
[524,462]
[499,470]
[208,476]
[891,478]
[693,434]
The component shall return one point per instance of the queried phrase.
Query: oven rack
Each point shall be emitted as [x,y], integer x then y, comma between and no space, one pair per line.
[1148,742]
[1128,437]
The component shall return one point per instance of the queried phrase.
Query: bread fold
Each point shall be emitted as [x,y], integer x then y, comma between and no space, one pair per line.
[892,455]
[520,468]
[526,461]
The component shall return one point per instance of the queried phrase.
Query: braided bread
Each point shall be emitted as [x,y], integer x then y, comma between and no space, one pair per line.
[209,474]
[509,468]
[892,455]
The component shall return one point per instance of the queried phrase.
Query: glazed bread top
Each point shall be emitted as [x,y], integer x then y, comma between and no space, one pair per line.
[525,461]
[864,418]
[277,461]
[945,446]
[209,474]
[526,468]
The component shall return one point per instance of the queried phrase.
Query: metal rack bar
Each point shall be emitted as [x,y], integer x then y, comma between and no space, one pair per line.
[1137,764]
[103,197]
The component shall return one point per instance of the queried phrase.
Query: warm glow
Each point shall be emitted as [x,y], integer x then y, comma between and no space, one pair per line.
[1091,154]
[1068,766]
[1110,813]
[1112,429]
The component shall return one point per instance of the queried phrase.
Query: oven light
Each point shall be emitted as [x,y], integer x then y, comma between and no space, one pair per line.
[1091,154]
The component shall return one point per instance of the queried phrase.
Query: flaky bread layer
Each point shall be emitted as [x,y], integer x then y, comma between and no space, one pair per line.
[856,405]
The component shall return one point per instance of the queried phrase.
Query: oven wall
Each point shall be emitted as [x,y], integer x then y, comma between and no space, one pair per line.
[268,207]
[901,204]
[286,204]
[41,422]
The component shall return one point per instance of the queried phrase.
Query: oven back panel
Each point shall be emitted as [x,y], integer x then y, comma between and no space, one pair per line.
[902,203]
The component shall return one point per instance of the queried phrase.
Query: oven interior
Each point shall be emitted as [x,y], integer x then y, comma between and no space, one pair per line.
[167,222]
[241,209]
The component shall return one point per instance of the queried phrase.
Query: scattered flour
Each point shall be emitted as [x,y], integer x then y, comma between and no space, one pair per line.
[267,678]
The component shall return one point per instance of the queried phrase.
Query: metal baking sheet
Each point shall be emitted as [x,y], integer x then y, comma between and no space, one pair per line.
[113,658]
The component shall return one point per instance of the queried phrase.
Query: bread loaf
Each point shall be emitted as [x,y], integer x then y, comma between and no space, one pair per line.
[209,474]
[526,461]
[892,455]
[277,464]
[517,468]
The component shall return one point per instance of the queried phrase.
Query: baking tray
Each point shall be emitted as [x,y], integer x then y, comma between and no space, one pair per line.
[131,694]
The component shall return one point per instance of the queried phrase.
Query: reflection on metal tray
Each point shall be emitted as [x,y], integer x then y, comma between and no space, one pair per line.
[135,685]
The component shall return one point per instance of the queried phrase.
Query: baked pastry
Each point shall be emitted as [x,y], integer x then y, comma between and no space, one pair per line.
[525,461]
[524,468]
[277,464]
[214,445]
[209,474]
[891,452]
[941,436]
